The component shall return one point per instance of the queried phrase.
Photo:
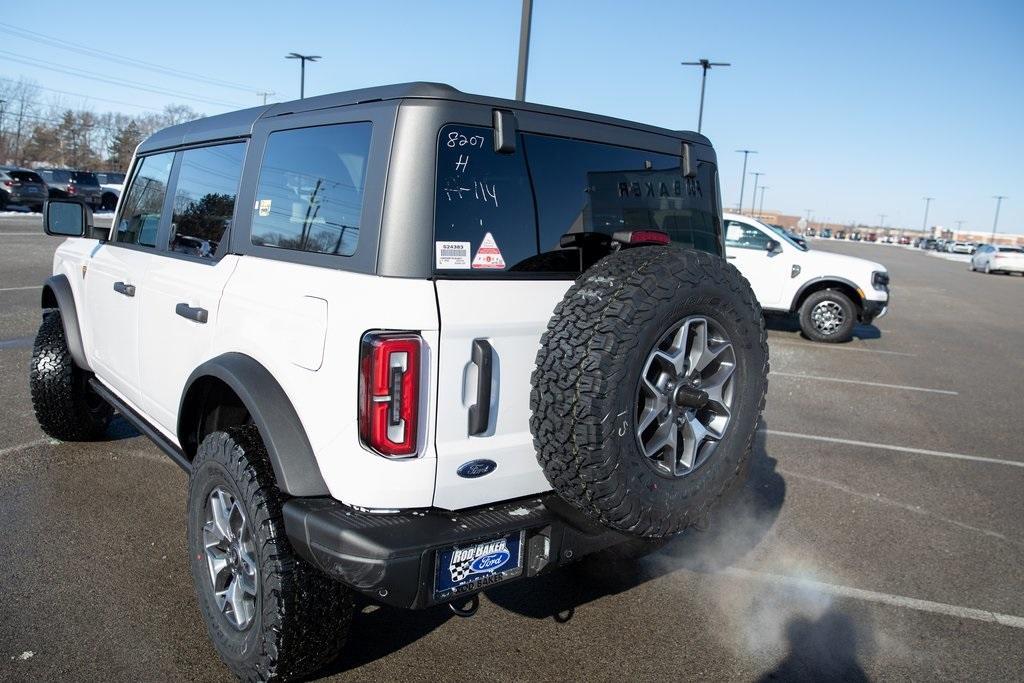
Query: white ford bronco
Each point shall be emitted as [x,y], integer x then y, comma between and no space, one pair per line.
[408,343]
[829,293]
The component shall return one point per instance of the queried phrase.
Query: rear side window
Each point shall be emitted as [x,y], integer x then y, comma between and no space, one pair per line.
[745,236]
[204,198]
[484,218]
[25,176]
[144,201]
[310,192]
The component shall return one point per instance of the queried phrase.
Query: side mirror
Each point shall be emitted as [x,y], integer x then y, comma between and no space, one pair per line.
[66,218]
[773,247]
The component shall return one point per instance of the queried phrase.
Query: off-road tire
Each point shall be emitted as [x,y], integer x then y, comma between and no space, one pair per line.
[588,369]
[65,405]
[302,617]
[844,332]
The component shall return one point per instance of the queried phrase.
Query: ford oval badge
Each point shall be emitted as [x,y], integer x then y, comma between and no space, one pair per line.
[476,468]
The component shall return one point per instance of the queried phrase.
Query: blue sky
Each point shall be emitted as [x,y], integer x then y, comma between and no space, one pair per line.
[856,109]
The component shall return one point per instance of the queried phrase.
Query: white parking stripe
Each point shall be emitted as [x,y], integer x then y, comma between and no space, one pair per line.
[21,447]
[867,384]
[875,596]
[890,447]
[836,347]
[19,289]
[22,234]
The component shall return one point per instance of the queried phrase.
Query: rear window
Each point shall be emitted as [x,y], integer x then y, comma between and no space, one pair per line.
[25,176]
[1012,250]
[531,211]
[82,178]
[57,176]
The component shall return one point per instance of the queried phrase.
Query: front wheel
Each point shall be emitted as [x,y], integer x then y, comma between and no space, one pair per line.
[269,614]
[65,405]
[828,316]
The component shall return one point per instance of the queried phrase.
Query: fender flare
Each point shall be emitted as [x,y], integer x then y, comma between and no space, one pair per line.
[288,449]
[817,280]
[57,294]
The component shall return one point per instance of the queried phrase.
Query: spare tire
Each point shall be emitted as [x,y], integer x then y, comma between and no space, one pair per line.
[649,384]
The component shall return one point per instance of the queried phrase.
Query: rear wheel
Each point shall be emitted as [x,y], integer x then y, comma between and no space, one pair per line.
[269,614]
[65,405]
[828,316]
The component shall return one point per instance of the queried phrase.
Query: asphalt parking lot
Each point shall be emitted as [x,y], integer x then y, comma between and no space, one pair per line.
[881,534]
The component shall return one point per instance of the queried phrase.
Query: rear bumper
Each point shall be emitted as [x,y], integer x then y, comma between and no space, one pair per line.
[392,557]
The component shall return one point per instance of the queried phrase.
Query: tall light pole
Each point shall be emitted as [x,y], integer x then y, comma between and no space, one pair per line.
[704,64]
[760,210]
[525,21]
[881,221]
[927,203]
[743,178]
[302,69]
[753,197]
[995,222]
[959,227]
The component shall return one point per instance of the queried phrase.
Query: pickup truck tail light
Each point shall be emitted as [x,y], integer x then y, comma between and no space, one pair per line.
[389,393]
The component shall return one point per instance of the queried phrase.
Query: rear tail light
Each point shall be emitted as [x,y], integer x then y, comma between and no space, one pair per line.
[389,393]
[71,189]
[9,183]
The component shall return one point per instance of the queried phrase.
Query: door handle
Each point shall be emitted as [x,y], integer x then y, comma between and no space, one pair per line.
[730,257]
[480,412]
[123,288]
[195,313]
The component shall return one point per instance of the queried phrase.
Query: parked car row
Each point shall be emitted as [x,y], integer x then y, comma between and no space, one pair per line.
[856,236]
[30,188]
[946,246]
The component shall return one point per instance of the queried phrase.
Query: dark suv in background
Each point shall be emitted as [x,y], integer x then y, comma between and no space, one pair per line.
[19,186]
[67,184]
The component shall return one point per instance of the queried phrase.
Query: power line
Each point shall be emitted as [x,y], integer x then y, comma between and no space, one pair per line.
[124,83]
[127,61]
[92,97]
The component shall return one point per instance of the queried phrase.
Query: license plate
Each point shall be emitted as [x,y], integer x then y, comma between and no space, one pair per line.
[473,566]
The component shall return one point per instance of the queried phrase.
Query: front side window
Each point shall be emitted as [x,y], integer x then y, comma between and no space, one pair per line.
[144,202]
[204,198]
[310,192]
[745,236]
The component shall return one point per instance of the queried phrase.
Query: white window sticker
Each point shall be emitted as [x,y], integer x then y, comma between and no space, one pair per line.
[264,207]
[451,255]
[488,255]
[734,233]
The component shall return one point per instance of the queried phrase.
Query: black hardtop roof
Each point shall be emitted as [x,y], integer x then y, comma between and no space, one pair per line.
[240,123]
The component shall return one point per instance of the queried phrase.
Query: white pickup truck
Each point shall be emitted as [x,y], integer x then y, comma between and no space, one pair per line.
[829,292]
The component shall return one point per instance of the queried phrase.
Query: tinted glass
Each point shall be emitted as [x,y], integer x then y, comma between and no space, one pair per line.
[25,176]
[58,176]
[204,198]
[484,221]
[310,193]
[81,178]
[1011,250]
[144,202]
[745,236]
[587,187]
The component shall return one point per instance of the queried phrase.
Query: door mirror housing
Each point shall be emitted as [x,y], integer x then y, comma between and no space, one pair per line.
[773,247]
[66,218]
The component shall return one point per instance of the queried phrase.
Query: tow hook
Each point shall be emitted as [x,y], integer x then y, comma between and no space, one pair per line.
[467,609]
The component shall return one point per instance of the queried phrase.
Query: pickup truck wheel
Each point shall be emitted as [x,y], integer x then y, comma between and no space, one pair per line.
[269,614]
[65,405]
[828,316]
[649,383]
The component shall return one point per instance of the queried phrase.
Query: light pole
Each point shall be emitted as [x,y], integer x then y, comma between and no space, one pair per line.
[927,203]
[743,178]
[959,227]
[753,197]
[995,222]
[704,64]
[525,21]
[760,209]
[881,221]
[302,69]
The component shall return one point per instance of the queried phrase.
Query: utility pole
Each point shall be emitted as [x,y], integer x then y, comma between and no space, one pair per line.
[525,22]
[704,64]
[959,225]
[2,145]
[927,203]
[743,178]
[265,94]
[302,69]
[881,220]
[753,197]
[760,210]
[995,222]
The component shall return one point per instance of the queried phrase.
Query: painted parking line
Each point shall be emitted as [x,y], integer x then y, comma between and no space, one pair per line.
[877,597]
[21,343]
[835,347]
[904,387]
[891,447]
[20,289]
[22,234]
[30,444]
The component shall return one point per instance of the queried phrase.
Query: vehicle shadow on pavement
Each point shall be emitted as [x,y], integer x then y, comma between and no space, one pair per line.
[738,524]
[790,323]
[119,428]
[823,649]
